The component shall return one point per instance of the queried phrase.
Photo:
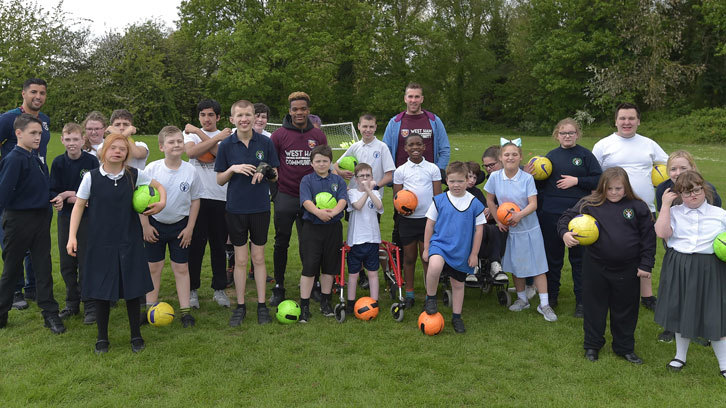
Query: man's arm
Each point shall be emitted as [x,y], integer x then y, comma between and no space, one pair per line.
[444,149]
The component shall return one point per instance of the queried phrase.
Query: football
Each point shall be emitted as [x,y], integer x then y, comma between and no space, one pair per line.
[585,229]
[144,196]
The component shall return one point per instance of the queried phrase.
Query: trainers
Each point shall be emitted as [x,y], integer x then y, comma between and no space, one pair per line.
[519,305]
[237,316]
[547,312]
[101,347]
[530,290]
[649,302]
[68,312]
[431,306]
[497,274]
[363,281]
[304,314]
[188,321]
[409,302]
[326,310]
[278,295]
[221,298]
[666,336]
[89,317]
[579,311]
[458,324]
[349,310]
[471,278]
[194,299]
[263,315]
[137,344]
[19,302]
[54,323]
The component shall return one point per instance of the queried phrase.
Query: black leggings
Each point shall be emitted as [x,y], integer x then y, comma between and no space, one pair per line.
[103,310]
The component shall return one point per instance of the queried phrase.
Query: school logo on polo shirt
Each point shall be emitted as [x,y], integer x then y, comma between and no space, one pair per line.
[260,155]
[628,213]
[312,143]
[184,186]
[577,161]
[370,204]
[334,187]
[376,155]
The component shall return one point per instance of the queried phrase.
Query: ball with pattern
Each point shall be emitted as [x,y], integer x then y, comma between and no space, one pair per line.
[405,202]
[659,174]
[505,211]
[325,201]
[719,246]
[348,163]
[160,314]
[288,312]
[584,228]
[144,196]
[430,324]
[366,308]
[542,167]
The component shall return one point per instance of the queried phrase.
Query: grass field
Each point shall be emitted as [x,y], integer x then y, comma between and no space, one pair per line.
[504,359]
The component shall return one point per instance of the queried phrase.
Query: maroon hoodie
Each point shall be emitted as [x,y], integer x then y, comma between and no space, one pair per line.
[293,146]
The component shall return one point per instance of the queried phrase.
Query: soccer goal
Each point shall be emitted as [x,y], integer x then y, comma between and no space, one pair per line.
[340,135]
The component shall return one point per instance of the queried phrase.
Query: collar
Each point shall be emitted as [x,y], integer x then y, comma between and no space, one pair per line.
[428,114]
[22,151]
[701,209]
[416,164]
[254,137]
[319,177]
[110,175]
[513,178]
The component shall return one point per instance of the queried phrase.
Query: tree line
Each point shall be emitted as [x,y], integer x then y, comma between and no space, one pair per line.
[520,63]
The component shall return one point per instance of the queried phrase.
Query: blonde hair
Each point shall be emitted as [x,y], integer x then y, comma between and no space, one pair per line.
[681,154]
[567,121]
[110,139]
[167,131]
[72,127]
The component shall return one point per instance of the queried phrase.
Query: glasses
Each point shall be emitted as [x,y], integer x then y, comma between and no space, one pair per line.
[93,130]
[489,166]
[696,191]
[567,133]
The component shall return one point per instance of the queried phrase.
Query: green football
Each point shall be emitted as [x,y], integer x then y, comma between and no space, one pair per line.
[325,201]
[144,195]
[288,311]
[348,163]
[719,246]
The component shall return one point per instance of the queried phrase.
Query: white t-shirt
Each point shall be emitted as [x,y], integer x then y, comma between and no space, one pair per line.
[363,224]
[182,186]
[95,149]
[135,163]
[210,189]
[84,190]
[460,203]
[376,154]
[636,155]
[418,178]
[695,229]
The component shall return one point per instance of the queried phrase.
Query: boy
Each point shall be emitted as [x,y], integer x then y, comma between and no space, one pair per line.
[453,235]
[422,178]
[174,225]
[66,174]
[211,226]
[25,196]
[262,114]
[322,231]
[369,150]
[364,233]
[248,161]
[123,122]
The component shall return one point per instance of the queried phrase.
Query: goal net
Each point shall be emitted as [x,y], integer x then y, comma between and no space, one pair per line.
[340,135]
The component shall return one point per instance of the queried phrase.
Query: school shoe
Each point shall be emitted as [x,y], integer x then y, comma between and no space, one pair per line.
[547,312]
[325,309]
[237,316]
[54,323]
[702,342]
[591,354]
[278,295]
[497,273]
[649,302]
[675,368]
[89,317]
[19,302]
[263,315]
[101,347]
[221,298]
[409,302]
[458,324]
[666,336]
[67,312]
[188,321]
[632,358]
[304,314]
[579,311]
[3,320]
[430,306]
[137,344]
[519,305]
[194,299]
[530,290]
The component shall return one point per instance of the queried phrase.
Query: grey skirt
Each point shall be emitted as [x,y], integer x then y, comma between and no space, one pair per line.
[692,295]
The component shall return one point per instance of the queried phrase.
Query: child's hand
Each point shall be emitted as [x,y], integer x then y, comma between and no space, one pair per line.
[246,169]
[189,128]
[131,130]
[150,234]
[71,246]
[566,182]
[186,237]
[425,255]
[57,202]
[324,215]
[529,168]
[154,208]
[347,175]
[643,274]
[502,227]
[668,197]
[223,134]
[473,260]
[487,213]
[515,218]
[570,240]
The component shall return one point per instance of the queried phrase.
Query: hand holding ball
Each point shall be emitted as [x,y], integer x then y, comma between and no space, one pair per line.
[505,211]
[144,196]
[584,228]
[405,202]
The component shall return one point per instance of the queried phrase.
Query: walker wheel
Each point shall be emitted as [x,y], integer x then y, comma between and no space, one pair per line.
[448,299]
[397,312]
[504,298]
[340,312]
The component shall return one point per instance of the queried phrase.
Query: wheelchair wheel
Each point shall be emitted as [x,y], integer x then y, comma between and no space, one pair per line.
[447,298]
[340,312]
[397,312]
[504,298]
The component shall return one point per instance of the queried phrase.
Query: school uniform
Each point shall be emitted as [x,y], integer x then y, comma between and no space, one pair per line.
[364,232]
[376,154]
[417,178]
[609,271]
[669,184]
[693,280]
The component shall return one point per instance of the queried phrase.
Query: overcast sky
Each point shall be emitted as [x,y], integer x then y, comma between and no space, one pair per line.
[116,15]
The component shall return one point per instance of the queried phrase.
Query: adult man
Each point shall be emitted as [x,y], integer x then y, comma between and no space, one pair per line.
[34,95]
[293,142]
[636,154]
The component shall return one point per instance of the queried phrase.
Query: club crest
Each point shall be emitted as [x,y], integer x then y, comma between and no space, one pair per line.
[628,213]
[334,187]
[260,155]
[405,132]
[577,161]
[83,172]
[184,186]
[312,143]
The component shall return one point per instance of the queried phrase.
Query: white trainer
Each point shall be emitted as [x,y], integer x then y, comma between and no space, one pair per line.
[496,271]
[194,299]
[221,298]
[547,312]
[519,305]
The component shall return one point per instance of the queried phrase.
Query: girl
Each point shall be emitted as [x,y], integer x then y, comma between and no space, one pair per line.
[575,173]
[94,125]
[115,261]
[613,265]
[693,280]
[525,254]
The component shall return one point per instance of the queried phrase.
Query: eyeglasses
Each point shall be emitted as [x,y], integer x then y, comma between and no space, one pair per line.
[696,191]
[567,133]
[489,166]
[93,130]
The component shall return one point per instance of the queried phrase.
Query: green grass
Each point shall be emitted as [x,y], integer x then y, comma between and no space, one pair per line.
[504,359]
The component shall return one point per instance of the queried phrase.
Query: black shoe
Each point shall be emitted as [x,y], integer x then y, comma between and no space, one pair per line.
[632,358]
[304,314]
[591,354]
[263,315]
[316,294]
[251,275]
[19,302]
[278,295]
[68,312]
[137,344]
[30,294]
[3,320]
[349,310]
[431,306]
[54,323]
[363,281]
[102,347]
[649,302]
[458,324]
[237,316]
[188,321]
[701,341]
[579,311]
[666,336]
[326,310]
[408,303]
[89,317]
[673,368]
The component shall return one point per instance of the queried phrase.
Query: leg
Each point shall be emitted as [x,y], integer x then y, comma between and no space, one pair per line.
[555,251]
[15,242]
[40,256]
[133,308]
[540,281]
[373,284]
[68,267]
[286,209]
[181,277]
[425,265]
[457,294]
[575,256]
[436,265]
[624,307]
[197,248]
[352,285]
[409,264]
[240,272]
[155,269]
[596,294]
[258,261]
[217,240]
[103,310]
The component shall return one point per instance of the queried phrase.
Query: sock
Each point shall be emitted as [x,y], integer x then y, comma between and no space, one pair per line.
[304,302]
[133,310]
[719,348]
[544,299]
[523,296]
[326,298]
[409,294]
[430,297]
[102,312]
[241,306]
[261,305]
[455,316]
[682,344]
[351,303]
[185,310]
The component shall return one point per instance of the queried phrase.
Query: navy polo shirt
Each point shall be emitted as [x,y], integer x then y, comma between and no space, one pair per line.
[312,184]
[243,197]
[66,175]
[9,140]
[24,181]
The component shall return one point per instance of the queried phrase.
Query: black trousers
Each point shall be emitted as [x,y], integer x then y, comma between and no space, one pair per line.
[555,250]
[287,213]
[493,243]
[71,267]
[614,289]
[211,227]
[27,230]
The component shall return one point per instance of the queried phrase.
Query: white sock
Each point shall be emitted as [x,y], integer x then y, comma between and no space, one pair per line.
[523,296]
[682,344]
[544,299]
[719,348]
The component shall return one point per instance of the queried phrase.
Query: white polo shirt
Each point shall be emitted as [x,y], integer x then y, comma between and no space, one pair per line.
[376,154]
[210,189]
[182,186]
[363,224]
[418,178]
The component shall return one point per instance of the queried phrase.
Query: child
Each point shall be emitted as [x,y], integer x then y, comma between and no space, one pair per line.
[422,178]
[95,125]
[525,255]
[262,114]
[494,241]
[474,176]
[453,235]
[67,171]
[364,233]
[612,266]
[692,284]
[248,161]
[575,173]
[174,225]
[201,146]
[115,263]
[25,196]
[123,122]
[371,151]
[322,231]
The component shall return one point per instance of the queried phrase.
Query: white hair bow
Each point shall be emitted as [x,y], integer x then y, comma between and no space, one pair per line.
[517,142]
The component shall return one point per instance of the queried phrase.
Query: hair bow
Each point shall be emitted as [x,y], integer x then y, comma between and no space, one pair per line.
[517,142]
